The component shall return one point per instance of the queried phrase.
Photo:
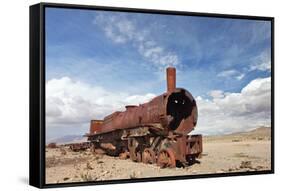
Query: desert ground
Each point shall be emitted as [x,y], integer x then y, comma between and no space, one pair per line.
[238,152]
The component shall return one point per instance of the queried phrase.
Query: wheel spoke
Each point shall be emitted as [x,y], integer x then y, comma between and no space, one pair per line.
[166,158]
[148,156]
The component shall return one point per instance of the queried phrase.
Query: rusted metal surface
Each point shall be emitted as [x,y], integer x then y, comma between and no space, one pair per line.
[109,146]
[52,145]
[79,146]
[171,79]
[167,111]
[124,155]
[134,149]
[96,126]
[153,132]
[185,146]
[194,145]
[166,158]
[148,156]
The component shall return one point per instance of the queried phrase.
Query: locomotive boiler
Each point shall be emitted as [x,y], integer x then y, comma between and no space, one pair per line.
[152,132]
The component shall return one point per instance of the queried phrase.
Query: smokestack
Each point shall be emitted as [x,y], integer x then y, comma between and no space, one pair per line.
[171,79]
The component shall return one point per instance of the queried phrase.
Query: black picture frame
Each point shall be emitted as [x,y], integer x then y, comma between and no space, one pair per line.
[37,93]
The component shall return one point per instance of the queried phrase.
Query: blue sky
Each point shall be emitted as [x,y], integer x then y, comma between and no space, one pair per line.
[129,51]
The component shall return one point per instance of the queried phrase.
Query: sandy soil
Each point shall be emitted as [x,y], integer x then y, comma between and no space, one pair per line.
[231,153]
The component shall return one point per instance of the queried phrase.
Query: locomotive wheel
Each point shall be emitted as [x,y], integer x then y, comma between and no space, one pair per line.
[132,155]
[135,156]
[148,156]
[138,157]
[166,158]
[134,150]
[124,155]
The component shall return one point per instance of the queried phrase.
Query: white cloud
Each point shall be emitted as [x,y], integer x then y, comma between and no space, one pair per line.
[70,102]
[227,73]
[262,66]
[262,62]
[121,30]
[231,74]
[216,94]
[231,112]
[240,76]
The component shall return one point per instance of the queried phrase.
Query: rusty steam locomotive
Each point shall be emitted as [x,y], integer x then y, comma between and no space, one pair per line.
[153,132]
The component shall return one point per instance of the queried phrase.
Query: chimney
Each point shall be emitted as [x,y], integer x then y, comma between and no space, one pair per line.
[171,79]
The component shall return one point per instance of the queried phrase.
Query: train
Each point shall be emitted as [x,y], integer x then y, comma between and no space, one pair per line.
[153,132]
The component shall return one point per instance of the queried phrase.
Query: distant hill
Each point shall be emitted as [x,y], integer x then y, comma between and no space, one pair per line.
[68,139]
[260,133]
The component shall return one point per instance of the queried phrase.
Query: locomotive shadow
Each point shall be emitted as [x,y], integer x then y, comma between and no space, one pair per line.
[187,164]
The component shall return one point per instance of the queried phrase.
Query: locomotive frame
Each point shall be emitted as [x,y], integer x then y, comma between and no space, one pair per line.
[152,132]
[37,95]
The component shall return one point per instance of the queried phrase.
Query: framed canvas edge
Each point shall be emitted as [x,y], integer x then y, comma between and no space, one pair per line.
[37,87]
[155,11]
[35,96]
